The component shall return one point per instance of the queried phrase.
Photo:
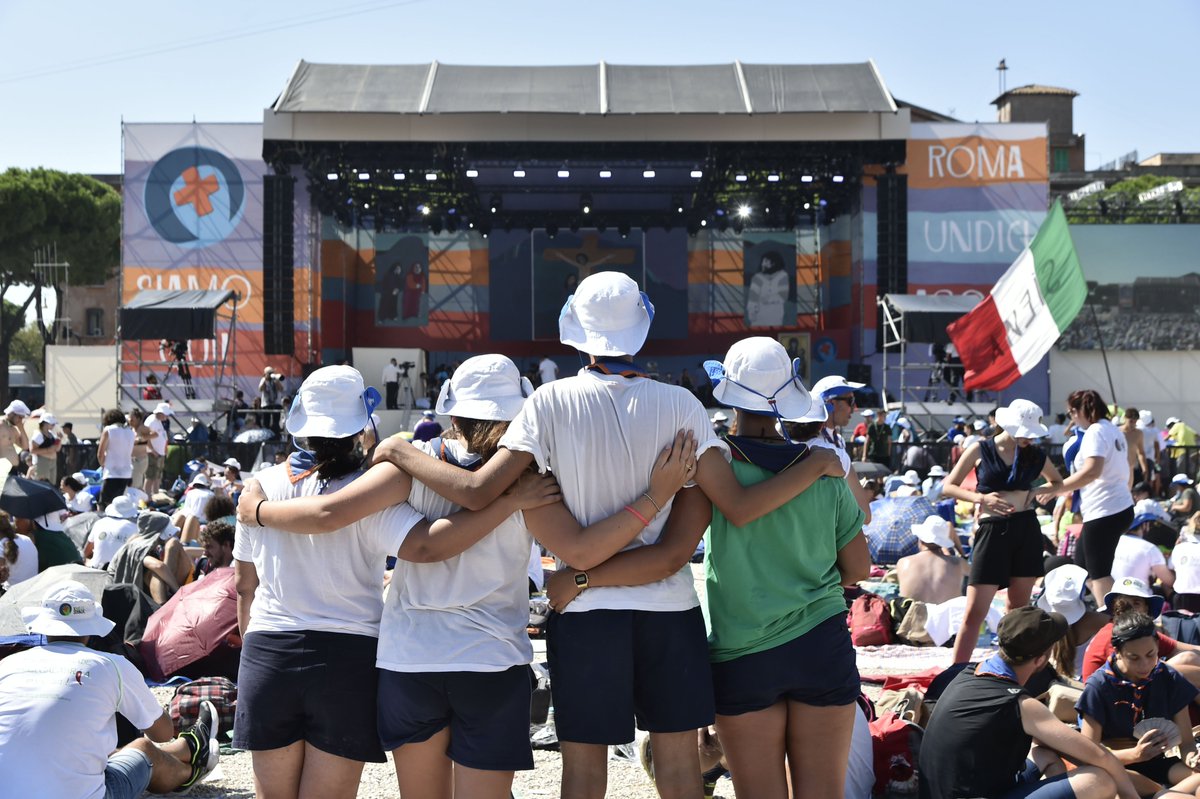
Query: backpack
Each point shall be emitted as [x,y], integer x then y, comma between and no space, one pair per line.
[896,746]
[870,621]
[185,705]
[910,617]
[1182,626]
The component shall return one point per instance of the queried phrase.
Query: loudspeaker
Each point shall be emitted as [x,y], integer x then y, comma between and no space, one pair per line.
[892,239]
[858,373]
[278,265]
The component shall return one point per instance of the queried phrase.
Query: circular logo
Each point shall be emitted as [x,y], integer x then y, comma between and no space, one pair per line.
[65,609]
[824,350]
[194,197]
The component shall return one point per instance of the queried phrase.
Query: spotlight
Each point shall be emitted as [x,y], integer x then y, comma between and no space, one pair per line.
[564,173]
[453,211]
[364,175]
[518,173]
[806,178]
[720,212]
[494,203]
[807,206]
[332,176]
[424,209]
[838,178]
[703,223]
[772,178]
[606,173]
[741,178]
[647,173]
[398,176]
[744,211]
[585,203]
[472,173]
[696,173]
[431,176]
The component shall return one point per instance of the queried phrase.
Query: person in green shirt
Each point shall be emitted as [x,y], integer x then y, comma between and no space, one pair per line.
[54,546]
[879,441]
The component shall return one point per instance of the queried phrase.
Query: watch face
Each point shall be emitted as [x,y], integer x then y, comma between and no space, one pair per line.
[581,579]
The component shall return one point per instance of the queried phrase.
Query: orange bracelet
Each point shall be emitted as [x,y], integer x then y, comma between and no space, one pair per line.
[645,522]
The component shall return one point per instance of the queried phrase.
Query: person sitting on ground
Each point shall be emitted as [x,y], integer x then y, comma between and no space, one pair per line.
[428,428]
[231,479]
[1062,592]
[220,508]
[1185,563]
[78,500]
[1131,595]
[110,532]
[54,546]
[934,574]
[910,485]
[988,737]
[17,552]
[1135,685]
[1186,500]
[1136,557]
[62,698]
[217,538]
[931,486]
[191,513]
[153,559]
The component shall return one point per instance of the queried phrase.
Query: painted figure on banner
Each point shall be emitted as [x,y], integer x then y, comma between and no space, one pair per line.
[769,274]
[562,261]
[402,264]
[414,287]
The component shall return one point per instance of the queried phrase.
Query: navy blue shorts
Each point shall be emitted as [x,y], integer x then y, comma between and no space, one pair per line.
[303,685]
[487,713]
[610,668]
[817,668]
[1030,785]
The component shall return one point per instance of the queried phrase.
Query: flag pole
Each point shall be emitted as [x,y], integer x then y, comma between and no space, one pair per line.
[1103,353]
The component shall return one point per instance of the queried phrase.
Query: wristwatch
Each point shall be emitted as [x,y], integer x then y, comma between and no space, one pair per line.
[581,579]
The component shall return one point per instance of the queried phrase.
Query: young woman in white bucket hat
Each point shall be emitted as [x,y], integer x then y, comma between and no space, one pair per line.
[453,652]
[1007,549]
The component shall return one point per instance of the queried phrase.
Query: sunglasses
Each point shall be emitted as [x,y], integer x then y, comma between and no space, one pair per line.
[848,399]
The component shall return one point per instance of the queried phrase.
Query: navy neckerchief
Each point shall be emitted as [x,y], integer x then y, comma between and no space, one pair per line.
[471,462]
[616,366]
[302,464]
[1138,687]
[765,455]
[995,666]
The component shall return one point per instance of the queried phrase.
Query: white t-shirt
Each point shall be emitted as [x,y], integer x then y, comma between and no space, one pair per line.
[194,501]
[1109,493]
[548,370]
[27,561]
[158,443]
[82,502]
[600,435]
[1056,433]
[118,456]
[391,373]
[1150,437]
[843,456]
[1135,557]
[1185,561]
[331,582]
[108,535]
[466,613]
[57,725]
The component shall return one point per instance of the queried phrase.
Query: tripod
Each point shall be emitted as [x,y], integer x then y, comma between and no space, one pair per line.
[178,351]
[406,399]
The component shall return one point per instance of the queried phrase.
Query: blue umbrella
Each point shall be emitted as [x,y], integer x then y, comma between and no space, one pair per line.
[889,535]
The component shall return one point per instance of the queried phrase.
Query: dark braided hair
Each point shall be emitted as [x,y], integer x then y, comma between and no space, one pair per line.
[8,535]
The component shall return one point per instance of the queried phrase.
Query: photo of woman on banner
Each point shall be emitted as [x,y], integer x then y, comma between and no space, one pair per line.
[403,283]
[770,283]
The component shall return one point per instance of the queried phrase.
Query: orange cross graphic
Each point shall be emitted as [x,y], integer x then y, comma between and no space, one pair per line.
[196,191]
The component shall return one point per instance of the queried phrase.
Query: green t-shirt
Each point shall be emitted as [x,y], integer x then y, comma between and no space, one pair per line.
[776,578]
[54,549]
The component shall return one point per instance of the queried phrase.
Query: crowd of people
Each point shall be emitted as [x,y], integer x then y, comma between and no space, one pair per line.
[381,589]
[1133,330]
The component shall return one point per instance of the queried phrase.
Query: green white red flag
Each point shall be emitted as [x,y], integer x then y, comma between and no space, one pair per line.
[1012,329]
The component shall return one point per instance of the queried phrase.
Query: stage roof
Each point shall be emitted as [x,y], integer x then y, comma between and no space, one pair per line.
[603,102]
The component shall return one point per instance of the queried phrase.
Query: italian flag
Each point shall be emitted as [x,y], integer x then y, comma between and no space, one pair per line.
[1031,305]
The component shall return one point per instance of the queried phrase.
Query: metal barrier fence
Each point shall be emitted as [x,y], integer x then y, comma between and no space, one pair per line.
[72,458]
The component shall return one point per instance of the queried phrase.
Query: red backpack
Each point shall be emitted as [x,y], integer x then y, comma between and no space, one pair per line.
[896,746]
[870,621]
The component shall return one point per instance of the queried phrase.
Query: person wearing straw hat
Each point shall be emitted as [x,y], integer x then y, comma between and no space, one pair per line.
[453,651]
[934,574]
[1008,540]
[602,431]
[978,742]
[110,532]
[45,446]
[13,440]
[58,706]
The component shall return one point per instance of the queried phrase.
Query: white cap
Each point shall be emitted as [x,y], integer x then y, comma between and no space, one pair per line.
[834,386]
[164,408]
[959,438]
[911,478]
[934,530]
[607,315]
[1170,420]
[331,403]
[121,507]
[1063,592]
[904,422]
[429,414]
[758,376]
[868,413]
[69,609]
[1022,419]
[487,387]
[17,407]
[1145,419]
[201,479]
[233,462]
[719,416]
[48,418]
[1182,479]
[979,424]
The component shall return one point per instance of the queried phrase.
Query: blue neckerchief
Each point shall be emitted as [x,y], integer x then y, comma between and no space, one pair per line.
[470,462]
[772,457]
[1138,687]
[616,366]
[995,666]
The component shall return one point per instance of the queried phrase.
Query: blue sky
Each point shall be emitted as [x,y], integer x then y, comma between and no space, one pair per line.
[70,71]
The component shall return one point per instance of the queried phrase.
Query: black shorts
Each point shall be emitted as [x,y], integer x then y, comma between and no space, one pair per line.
[1098,542]
[609,668]
[817,668]
[487,713]
[1157,769]
[110,489]
[1006,547]
[318,687]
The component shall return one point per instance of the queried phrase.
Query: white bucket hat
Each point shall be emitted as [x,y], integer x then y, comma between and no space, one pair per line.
[331,403]
[911,478]
[233,462]
[719,416]
[758,376]
[48,418]
[868,413]
[51,521]
[607,315]
[934,530]
[1145,419]
[68,609]
[1022,419]
[979,424]
[121,507]
[164,409]
[17,407]
[201,479]
[834,386]
[1063,590]
[937,471]
[1181,479]
[485,387]
[818,411]
[1171,420]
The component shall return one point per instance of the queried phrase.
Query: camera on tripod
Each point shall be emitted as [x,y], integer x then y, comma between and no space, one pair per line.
[404,367]
[179,349]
